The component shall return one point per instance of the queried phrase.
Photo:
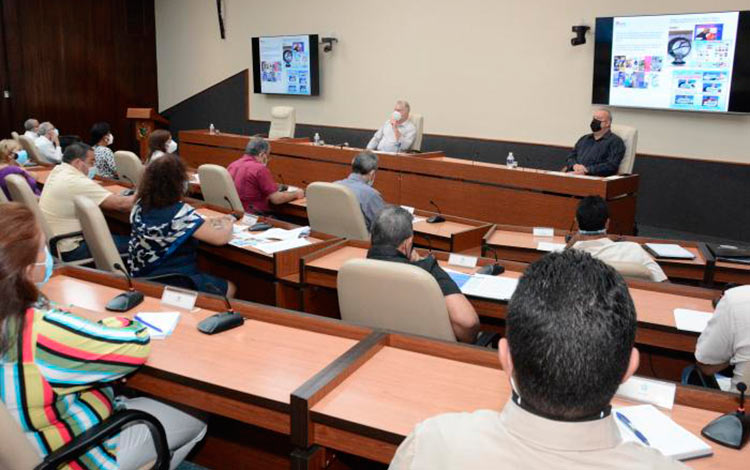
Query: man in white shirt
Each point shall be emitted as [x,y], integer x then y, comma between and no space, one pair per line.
[397,134]
[73,177]
[726,339]
[48,143]
[593,220]
[570,334]
[32,129]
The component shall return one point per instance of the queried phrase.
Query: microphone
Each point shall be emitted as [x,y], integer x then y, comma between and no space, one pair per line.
[429,242]
[283,186]
[130,191]
[341,145]
[570,231]
[127,300]
[234,211]
[436,219]
[491,269]
[223,321]
[731,429]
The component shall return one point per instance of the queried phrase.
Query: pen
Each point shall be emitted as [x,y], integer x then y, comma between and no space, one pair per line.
[149,325]
[624,420]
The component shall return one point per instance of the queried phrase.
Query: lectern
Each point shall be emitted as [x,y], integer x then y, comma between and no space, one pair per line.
[145,121]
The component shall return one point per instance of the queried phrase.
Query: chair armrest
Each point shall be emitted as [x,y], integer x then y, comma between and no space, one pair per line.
[487,339]
[57,239]
[106,429]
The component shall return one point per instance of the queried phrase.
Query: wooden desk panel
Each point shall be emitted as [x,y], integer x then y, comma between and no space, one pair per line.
[732,272]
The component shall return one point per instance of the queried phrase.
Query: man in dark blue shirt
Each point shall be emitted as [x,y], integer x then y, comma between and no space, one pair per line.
[599,153]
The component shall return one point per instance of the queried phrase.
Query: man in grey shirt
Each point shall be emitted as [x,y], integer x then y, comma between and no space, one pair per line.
[397,134]
[360,181]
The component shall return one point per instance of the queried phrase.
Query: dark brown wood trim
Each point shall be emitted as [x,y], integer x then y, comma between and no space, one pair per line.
[358,429]
[313,458]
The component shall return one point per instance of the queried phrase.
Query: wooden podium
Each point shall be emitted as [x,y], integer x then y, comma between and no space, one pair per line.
[145,121]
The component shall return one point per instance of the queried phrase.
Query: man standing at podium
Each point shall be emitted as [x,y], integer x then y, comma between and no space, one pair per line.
[598,153]
[397,134]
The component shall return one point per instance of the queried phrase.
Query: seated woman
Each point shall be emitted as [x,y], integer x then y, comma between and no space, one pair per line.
[57,367]
[160,143]
[165,230]
[11,156]
[101,139]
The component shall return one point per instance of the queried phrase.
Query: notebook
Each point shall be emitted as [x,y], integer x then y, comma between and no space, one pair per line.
[668,250]
[662,432]
[159,324]
[490,287]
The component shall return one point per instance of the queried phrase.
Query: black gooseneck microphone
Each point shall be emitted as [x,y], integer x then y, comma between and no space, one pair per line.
[491,269]
[234,211]
[127,300]
[429,242]
[731,429]
[341,145]
[283,187]
[436,219]
[129,191]
[570,231]
[222,321]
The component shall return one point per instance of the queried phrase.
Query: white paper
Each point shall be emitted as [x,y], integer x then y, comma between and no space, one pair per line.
[549,246]
[691,320]
[179,298]
[490,287]
[670,250]
[249,219]
[291,189]
[282,234]
[462,260]
[283,245]
[417,219]
[544,232]
[651,391]
[409,209]
[164,321]
[662,432]
[196,178]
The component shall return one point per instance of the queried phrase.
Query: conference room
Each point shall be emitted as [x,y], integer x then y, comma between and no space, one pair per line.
[243,234]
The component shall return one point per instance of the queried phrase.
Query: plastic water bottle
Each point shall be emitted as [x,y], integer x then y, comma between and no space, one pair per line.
[316,139]
[510,162]
[211,129]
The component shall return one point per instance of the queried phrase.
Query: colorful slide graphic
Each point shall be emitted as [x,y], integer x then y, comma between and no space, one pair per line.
[285,65]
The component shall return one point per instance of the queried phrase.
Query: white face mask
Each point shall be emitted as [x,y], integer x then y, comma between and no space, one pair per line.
[396,116]
[171,146]
[110,139]
[56,132]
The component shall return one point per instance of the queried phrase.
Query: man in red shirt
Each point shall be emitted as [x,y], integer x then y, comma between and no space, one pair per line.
[254,182]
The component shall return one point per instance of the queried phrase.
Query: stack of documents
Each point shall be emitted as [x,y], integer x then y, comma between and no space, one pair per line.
[159,324]
[691,320]
[669,250]
[485,286]
[272,240]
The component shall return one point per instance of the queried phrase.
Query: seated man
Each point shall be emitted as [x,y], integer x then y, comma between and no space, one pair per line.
[32,129]
[593,220]
[48,143]
[392,240]
[568,309]
[726,339]
[360,181]
[397,134]
[600,153]
[254,182]
[66,181]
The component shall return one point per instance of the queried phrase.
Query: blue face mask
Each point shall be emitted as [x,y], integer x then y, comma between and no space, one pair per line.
[22,157]
[48,266]
[92,172]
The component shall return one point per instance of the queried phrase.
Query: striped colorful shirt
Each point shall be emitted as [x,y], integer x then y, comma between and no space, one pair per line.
[54,376]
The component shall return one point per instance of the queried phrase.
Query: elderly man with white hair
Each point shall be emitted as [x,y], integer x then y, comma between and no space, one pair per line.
[48,143]
[397,134]
[598,153]
[31,126]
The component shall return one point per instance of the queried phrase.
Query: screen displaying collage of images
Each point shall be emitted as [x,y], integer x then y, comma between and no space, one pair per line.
[285,65]
[674,62]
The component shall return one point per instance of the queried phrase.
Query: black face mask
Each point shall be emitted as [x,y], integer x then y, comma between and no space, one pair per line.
[596,125]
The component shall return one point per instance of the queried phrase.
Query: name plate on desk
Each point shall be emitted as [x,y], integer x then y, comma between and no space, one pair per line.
[462,260]
[179,298]
[408,209]
[544,232]
[550,247]
[650,391]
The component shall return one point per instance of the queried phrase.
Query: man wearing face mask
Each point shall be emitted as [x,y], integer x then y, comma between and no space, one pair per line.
[254,182]
[73,177]
[397,134]
[598,153]
[48,143]
[360,181]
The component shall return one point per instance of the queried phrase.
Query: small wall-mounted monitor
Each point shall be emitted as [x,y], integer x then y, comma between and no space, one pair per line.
[286,65]
[688,62]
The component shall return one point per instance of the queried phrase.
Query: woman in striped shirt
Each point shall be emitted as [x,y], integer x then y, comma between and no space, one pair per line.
[56,368]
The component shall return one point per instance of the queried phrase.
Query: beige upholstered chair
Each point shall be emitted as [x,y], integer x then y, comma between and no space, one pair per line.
[16,452]
[334,209]
[97,235]
[283,122]
[3,199]
[129,166]
[631,270]
[396,296]
[31,149]
[15,135]
[418,121]
[218,187]
[629,135]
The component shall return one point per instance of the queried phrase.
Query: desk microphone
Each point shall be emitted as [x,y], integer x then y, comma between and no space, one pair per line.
[491,269]
[223,321]
[341,145]
[436,219]
[429,242]
[731,429]
[129,191]
[283,187]
[569,236]
[127,300]
[234,211]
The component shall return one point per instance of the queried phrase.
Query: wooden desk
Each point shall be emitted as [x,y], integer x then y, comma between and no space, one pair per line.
[480,191]
[737,273]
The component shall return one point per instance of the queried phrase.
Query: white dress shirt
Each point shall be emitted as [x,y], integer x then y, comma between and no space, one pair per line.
[624,252]
[727,335]
[31,135]
[48,150]
[385,138]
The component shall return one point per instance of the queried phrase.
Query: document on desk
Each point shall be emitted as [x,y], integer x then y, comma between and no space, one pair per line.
[159,324]
[490,287]
[661,432]
[549,246]
[669,250]
[279,234]
[273,247]
[691,320]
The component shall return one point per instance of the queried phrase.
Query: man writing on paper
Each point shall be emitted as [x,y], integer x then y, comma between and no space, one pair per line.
[360,181]
[397,134]
[593,220]
[570,333]
[599,153]
[392,239]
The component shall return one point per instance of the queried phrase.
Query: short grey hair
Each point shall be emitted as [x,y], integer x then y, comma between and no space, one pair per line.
[30,124]
[609,113]
[75,151]
[405,104]
[392,227]
[364,162]
[45,127]
[256,146]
